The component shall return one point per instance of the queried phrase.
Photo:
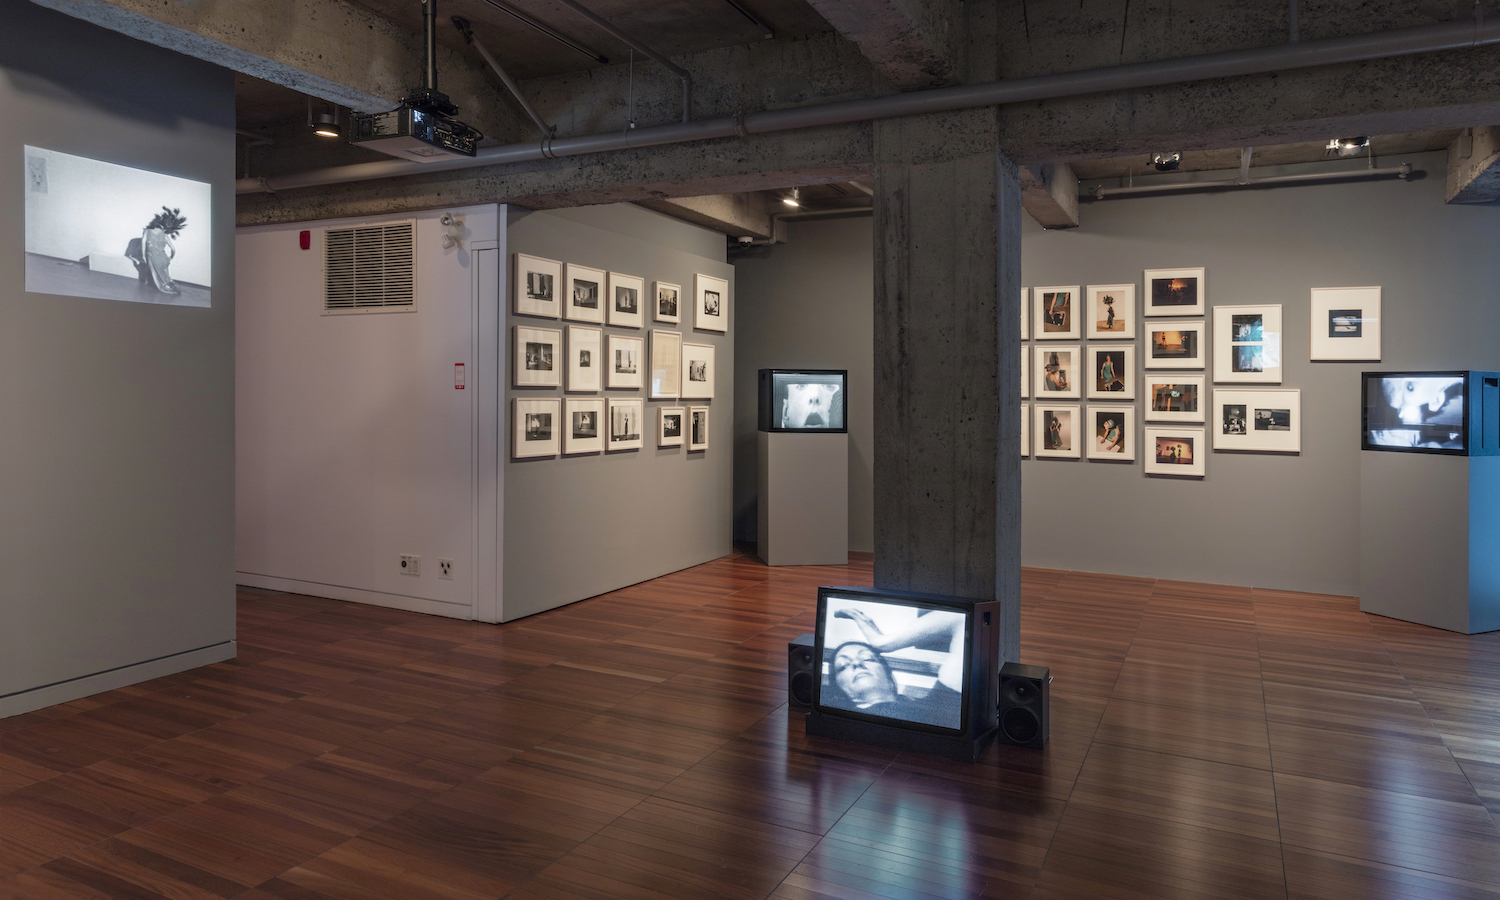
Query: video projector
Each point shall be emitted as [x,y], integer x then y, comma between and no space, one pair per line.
[422,129]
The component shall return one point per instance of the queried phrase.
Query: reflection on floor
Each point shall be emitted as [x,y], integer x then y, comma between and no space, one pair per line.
[71,278]
[1207,742]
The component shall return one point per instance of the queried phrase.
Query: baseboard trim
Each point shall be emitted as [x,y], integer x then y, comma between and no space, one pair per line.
[356,595]
[47,695]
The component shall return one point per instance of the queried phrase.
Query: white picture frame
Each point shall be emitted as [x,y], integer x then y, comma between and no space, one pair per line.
[1062,442]
[1025,304]
[1175,345]
[1171,397]
[1025,372]
[1160,445]
[626,363]
[697,372]
[627,423]
[1055,313]
[697,428]
[1025,430]
[627,297]
[538,281]
[1115,362]
[671,426]
[1248,345]
[536,427]
[1100,300]
[667,307]
[711,303]
[1110,432]
[666,365]
[584,291]
[1057,372]
[1346,323]
[583,425]
[539,357]
[1267,420]
[1175,292]
[585,358]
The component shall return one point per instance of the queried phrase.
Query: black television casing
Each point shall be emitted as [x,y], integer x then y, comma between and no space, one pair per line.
[1481,425]
[765,410]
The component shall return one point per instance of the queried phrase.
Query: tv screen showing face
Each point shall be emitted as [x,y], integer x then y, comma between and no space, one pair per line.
[897,661]
[807,401]
[1415,411]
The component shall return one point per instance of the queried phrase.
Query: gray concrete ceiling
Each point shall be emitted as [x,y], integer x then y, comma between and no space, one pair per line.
[1276,155]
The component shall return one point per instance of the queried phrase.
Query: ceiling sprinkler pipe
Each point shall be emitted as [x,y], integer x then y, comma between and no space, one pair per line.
[679,71]
[1402,171]
[462,25]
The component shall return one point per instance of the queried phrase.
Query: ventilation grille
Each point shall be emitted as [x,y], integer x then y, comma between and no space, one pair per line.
[370,268]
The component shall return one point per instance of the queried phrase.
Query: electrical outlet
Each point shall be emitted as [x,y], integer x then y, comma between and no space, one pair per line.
[445,568]
[411,565]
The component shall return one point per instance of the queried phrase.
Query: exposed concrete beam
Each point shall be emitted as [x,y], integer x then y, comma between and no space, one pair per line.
[736,215]
[1049,194]
[1474,166]
[914,43]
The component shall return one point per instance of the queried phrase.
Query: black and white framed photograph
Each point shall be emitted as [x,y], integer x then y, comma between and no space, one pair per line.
[626,362]
[1346,323]
[537,283]
[535,428]
[1175,451]
[1055,311]
[1025,430]
[1025,373]
[105,231]
[1174,345]
[1247,343]
[539,357]
[627,420]
[627,296]
[667,307]
[697,371]
[1175,292]
[1269,421]
[1110,311]
[671,426]
[1057,431]
[1025,303]
[1174,398]
[583,425]
[666,364]
[1057,375]
[1111,432]
[584,301]
[585,358]
[712,295]
[1111,372]
[697,428]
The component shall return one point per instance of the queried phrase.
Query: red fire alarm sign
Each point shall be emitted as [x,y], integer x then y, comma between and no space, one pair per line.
[305,239]
[458,376]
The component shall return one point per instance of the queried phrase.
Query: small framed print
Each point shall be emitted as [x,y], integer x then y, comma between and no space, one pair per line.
[626,357]
[583,425]
[671,424]
[1111,372]
[1111,432]
[697,428]
[711,312]
[535,428]
[1174,398]
[1346,323]
[1110,310]
[666,364]
[1025,374]
[626,418]
[585,297]
[668,299]
[1174,345]
[1025,302]
[697,371]
[1247,343]
[585,358]
[1025,431]
[539,355]
[1057,372]
[537,280]
[1175,292]
[1055,310]
[1056,431]
[626,293]
[1174,451]
[1266,420]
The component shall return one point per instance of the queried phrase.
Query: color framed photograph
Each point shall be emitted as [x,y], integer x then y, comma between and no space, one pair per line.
[583,426]
[585,358]
[1055,311]
[1110,311]
[711,311]
[1346,323]
[1174,345]
[1111,372]
[1111,432]
[584,300]
[1247,344]
[1269,421]
[1057,375]
[671,426]
[1025,374]
[539,356]
[627,361]
[1175,451]
[697,428]
[1057,431]
[666,364]
[627,417]
[534,429]
[626,295]
[537,280]
[1025,430]
[697,372]
[1174,398]
[1175,292]
[1025,302]
[668,306]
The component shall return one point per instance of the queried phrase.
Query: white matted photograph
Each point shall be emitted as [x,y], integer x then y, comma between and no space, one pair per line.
[1111,372]
[583,430]
[1025,373]
[1110,310]
[585,358]
[1175,451]
[1057,431]
[539,357]
[584,300]
[627,294]
[1025,430]
[711,312]
[1174,398]
[1025,302]
[1111,432]
[105,231]
[1346,323]
[668,305]
[697,371]
[671,426]
[666,364]
[1247,343]
[1174,345]
[697,428]
[1175,292]
[627,418]
[626,362]
[537,281]
[535,428]
[1055,311]
[1269,421]
[1057,375]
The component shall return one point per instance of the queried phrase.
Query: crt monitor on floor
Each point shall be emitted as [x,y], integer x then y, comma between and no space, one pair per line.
[806,400]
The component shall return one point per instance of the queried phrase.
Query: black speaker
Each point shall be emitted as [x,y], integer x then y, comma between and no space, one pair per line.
[800,671]
[1023,704]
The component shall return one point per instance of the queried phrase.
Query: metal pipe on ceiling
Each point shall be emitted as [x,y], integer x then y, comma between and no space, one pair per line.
[429,32]
[463,27]
[549,31]
[607,26]
[755,20]
[1278,57]
[1100,192]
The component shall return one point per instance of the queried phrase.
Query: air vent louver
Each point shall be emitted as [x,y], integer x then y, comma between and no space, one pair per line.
[370,268]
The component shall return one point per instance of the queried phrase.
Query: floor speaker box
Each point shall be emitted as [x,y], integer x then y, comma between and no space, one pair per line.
[1023,704]
[800,671]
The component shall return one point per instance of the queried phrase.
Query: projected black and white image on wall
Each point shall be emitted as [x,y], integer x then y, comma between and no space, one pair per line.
[110,232]
[899,662]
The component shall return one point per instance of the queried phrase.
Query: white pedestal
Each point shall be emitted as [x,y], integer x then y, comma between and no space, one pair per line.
[804,499]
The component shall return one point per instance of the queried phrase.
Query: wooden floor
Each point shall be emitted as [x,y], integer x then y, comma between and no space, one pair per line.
[1206,742]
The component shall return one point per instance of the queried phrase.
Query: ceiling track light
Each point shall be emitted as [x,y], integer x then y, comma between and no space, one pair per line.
[794,198]
[1349,146]
[1167,161]
[325,123]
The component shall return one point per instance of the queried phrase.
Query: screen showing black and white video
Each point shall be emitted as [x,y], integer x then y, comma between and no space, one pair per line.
[1415,412]
[894,660]
[808,400]
[111,232]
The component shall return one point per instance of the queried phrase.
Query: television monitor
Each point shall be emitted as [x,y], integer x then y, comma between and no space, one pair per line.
[1416,412]
[805,400]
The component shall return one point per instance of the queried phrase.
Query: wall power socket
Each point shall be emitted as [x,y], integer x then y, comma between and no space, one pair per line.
[411,565]
[445,569]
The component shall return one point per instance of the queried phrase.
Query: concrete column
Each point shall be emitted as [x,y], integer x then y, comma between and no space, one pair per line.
[947,285]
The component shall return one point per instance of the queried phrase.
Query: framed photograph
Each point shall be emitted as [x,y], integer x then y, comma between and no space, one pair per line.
[1174,398]
[1111,372]
[1111,432]
[1175,292]
[697,372]
[536,426]
[712,309]
[1025,375]
[585,358]
[1346,323]
[627,358]
[585,297]
[1057,372]
[1247,343]
[671,426]
[697,428]
[539,356]
[1266,420]
[537,280]
[668,299]
[583,429]
[1174,451]
[1025,302]
[626,422]
[666,364]
[1055,310]
[1174,345]
[1111,311]
[1025,430]
[626,294]
[1056,431]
